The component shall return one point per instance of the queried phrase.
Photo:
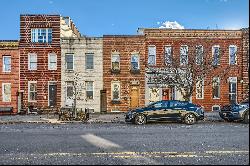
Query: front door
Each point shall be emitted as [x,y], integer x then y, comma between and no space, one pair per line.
[165,94]
[134,96]
[52,94]
[103,101]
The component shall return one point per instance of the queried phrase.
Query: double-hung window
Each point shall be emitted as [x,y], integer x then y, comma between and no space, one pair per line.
[115,62]
[89,89]
[6,92]
[216,88]
[52,61]
[232,89]
[89,59]
[32,88]
[69,59]
[183,55]
[32,61]
[151,55]
[135,62]
[115,91]
[216,55]
[168,55]
[199,54]
[43,35]
[69,89]
[232,55]
[200,89]
[6,63]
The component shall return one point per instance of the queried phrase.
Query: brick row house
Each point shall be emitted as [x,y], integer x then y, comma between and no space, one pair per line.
[40,61]
[9,76]
[82,72]
[124,72]
[224,83]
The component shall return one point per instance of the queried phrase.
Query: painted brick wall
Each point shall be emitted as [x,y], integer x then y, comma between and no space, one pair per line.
[42,75]
[79,47]
[10,48]
[207,38]
[125,45]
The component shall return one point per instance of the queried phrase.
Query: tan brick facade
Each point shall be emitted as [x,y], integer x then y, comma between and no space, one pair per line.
[10,49]
[125,46]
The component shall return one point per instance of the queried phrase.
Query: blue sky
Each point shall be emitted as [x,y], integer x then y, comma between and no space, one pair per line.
[103,17]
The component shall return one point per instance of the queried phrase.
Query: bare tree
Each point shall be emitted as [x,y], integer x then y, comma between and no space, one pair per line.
[188,70]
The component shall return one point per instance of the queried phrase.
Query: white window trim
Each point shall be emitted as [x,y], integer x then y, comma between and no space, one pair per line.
[202,54]
[236,86]
[66,94]
[49,68]
[215,106]
[187,54]
[133,54]
[93,89]
[235,55]
[4,64]
[49,83]
[154,55]
[3,84]
[202,91]
[213,53]
[29,82]
[73,61]
[29,54]
[170,55]
[219,88]
[112,88]
[89,53]
[116,53]
[36,35]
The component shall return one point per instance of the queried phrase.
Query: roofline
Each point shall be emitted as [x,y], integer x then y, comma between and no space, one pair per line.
[168,29]
[40,15]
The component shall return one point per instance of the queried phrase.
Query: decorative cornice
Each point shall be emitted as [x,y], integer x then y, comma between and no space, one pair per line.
[9,44]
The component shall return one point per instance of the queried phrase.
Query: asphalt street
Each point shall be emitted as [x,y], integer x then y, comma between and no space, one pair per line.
[212,143]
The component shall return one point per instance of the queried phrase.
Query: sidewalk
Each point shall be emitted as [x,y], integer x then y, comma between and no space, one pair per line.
[94,118]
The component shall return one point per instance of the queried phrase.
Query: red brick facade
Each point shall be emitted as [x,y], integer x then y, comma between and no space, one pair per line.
[42,75]
[206,38]
[125,46]
[10,49]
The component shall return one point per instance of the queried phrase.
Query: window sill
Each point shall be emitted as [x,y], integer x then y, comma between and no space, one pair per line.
[216,98]
[115,71]
[116,102]
[69,71]
[135,71]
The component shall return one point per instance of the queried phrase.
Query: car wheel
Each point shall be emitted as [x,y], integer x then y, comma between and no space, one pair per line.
[190,119]
[246,117]
[140,119]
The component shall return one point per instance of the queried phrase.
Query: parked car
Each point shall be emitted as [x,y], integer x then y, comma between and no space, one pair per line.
[235,112]
[166,110]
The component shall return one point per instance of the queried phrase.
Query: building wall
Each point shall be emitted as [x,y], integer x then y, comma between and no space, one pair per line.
[125,46]
[42,75]
[79,47]
[245,63]
[207,38]
[10,48]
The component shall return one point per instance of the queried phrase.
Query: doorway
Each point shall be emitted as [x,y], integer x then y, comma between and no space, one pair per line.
[52,94]
[166,94]
[134,96]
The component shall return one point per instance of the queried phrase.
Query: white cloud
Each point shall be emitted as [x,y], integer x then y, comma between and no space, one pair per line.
[50,2]
[171,25]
